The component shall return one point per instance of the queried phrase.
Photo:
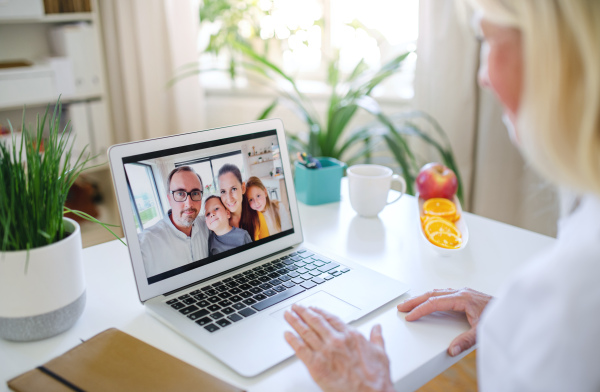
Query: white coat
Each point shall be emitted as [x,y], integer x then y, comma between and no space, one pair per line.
[542,332]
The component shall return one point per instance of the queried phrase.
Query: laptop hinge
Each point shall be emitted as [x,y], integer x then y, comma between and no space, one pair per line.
[226,272]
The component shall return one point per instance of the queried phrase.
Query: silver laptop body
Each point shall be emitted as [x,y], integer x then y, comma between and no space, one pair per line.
[196,298]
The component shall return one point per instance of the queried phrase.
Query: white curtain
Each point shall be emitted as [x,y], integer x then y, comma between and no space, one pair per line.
[145,41]
[497,182]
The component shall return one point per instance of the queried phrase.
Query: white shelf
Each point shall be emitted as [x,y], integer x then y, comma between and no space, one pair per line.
[265,161]
[44,103]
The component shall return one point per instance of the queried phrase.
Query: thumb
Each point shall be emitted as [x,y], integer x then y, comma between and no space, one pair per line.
[377,337]
[463,342]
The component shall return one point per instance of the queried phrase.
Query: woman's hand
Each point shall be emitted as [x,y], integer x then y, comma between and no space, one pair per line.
[468,301]
[338,357]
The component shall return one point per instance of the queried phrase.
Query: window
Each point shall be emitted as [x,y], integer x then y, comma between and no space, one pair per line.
[307,33]
[374,29]
[208,169]
[142,187]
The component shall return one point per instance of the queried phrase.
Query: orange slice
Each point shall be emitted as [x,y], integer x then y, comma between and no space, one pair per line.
[439,207]
[439,225]
[445,240]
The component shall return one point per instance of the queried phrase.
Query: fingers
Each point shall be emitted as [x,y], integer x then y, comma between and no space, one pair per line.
[334,321]
[308,335]
[302,351]
[413,302]
[315,321]
[463,342]
[436,304]
[377,336]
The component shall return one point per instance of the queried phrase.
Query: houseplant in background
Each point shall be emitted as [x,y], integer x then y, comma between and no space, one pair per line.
[42,288]
[401,134]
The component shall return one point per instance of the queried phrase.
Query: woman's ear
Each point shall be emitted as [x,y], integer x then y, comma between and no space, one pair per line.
[243,188]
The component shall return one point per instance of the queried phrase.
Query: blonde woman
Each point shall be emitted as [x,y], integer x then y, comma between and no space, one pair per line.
[542,332]
[277,216]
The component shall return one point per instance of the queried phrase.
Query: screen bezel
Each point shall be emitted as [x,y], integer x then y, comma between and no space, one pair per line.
[119,152]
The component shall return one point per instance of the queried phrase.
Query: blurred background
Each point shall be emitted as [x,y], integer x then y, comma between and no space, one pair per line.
[330,69]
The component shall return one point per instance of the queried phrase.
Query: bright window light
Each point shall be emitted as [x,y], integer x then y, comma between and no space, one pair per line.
[310,31]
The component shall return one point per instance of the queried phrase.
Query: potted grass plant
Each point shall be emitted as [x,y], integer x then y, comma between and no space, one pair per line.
[42,287]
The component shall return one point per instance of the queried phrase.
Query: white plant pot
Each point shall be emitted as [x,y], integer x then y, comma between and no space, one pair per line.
[48,297]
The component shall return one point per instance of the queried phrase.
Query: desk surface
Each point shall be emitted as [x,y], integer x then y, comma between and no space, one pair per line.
[390,244]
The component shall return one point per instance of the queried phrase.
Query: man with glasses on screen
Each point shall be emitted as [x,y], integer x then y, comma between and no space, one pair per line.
[181,237]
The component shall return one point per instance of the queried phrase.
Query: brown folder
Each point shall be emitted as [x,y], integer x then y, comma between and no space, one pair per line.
[116,361]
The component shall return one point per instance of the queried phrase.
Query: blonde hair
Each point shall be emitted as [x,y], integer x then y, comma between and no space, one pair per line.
[559,115]
[272,207]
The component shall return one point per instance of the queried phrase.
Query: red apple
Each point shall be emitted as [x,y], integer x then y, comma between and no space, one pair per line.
[436,180]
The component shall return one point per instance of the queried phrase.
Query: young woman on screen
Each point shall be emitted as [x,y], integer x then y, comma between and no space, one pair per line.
[232,191]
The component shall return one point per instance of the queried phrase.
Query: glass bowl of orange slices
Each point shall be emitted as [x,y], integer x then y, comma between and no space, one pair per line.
[442,226]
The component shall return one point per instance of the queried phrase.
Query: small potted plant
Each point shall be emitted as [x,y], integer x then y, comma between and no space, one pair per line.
[42,287]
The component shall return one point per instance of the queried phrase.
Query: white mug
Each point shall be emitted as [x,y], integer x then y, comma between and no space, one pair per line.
[369,186]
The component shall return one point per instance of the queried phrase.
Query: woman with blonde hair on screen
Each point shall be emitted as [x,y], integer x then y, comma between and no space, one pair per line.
[542,60]
[277,216]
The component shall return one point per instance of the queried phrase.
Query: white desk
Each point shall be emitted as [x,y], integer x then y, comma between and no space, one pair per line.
[389,244]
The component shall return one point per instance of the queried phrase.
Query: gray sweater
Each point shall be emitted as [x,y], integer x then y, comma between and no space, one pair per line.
[236,237]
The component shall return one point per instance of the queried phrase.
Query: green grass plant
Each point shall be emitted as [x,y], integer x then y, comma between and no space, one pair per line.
[36,174]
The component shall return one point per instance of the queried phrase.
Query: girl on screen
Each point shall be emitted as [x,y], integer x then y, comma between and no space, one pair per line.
[275,213]
[233,195]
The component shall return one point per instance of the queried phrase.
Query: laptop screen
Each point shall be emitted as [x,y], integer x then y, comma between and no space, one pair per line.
[196,204]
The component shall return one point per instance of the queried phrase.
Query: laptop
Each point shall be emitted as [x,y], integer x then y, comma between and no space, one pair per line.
[229,298]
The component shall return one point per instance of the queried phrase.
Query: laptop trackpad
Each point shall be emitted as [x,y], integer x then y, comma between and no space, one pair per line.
[327,302]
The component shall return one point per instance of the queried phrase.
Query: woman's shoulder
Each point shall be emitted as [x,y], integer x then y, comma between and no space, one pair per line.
[563,279]
[544,312]
[572,264]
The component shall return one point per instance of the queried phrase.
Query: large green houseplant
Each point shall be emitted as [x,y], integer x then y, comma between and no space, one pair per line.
[333,136]
[42,291]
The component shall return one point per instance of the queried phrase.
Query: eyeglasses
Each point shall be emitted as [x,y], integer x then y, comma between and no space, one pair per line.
[182,196]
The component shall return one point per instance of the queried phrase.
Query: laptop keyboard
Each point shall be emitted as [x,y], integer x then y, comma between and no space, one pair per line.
[223,303]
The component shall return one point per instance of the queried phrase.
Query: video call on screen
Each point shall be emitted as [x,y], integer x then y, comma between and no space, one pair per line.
[168,251]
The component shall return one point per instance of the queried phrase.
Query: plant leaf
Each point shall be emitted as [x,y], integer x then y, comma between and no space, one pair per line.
[269,109]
